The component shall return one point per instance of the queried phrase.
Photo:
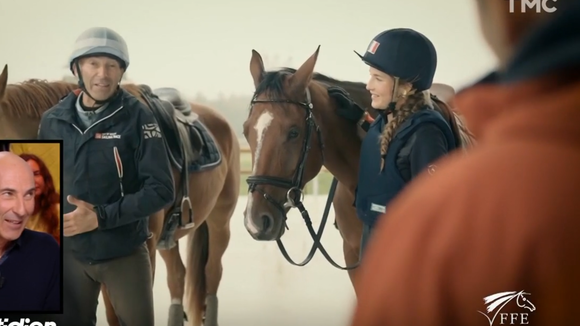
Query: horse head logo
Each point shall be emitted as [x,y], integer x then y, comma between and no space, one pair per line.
[523,302]
[499,300]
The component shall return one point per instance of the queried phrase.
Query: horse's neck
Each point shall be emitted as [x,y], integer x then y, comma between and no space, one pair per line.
[342,141]
[341,155]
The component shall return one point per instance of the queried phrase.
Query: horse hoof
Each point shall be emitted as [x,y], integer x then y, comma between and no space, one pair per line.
[175,315]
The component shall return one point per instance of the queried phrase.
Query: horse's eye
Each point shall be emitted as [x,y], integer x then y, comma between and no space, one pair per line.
[293,133]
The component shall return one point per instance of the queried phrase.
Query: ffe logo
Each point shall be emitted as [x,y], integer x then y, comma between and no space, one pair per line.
[496,302]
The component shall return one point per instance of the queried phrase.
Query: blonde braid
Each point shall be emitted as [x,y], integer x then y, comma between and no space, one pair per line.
[408,103]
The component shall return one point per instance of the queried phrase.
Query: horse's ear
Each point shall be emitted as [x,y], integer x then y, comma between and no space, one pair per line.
[257,68]
[3,81]
[302,77]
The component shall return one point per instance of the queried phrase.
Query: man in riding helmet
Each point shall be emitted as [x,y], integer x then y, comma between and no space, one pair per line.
[411,132]
[115,176]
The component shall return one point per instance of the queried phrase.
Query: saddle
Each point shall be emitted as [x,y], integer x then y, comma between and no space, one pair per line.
[176,110]
[177,129]
[443,92]
[174,97]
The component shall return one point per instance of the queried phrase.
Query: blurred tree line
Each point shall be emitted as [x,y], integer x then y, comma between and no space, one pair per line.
[233,107]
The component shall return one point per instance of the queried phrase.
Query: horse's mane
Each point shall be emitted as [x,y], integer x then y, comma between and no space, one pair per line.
[133,89]
[33,97]
[273,81]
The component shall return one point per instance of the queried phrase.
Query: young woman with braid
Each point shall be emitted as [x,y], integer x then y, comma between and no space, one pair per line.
[413,130]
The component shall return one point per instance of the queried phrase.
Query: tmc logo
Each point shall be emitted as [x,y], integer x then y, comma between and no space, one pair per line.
[499,300]
[540,5]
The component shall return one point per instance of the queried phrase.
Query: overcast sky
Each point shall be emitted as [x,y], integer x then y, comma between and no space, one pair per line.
[205,46]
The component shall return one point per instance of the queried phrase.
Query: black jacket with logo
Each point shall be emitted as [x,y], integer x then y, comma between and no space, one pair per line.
[123,200]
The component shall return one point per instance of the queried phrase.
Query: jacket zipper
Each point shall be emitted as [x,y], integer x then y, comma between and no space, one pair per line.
[119,164]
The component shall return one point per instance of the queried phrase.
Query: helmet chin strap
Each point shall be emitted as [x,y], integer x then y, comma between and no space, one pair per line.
[86,91]
[392,105]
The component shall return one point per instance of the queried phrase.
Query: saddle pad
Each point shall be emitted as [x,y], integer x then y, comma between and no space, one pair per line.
[210,155]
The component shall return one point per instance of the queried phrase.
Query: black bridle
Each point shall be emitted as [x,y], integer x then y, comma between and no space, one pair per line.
[295,194]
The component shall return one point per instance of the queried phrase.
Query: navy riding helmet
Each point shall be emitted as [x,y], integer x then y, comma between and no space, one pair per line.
[403,53]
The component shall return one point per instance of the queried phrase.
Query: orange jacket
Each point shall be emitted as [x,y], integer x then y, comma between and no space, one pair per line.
[506,217]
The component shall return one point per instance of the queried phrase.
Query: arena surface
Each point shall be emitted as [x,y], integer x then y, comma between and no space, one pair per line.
[259,288]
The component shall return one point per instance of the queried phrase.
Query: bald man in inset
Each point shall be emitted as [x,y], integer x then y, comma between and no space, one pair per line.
[30,268]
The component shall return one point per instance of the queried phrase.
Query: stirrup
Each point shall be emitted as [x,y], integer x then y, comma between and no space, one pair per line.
[190,222]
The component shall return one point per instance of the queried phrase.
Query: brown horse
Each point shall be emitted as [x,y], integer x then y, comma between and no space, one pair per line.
[214,194]
[294,127]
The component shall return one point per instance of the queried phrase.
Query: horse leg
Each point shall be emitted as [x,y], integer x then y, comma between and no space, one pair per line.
[155,226]
[197,255]
[350,228]
[351,257]
[218,223]
[351,253]
[219,238]
[175,282]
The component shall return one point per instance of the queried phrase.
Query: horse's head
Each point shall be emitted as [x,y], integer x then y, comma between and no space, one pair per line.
[523,302]
[285,140]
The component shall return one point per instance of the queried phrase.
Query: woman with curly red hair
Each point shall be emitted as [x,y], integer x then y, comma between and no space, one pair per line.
[46,216]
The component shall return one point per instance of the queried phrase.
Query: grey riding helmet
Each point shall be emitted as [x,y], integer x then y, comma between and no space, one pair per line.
[100,41]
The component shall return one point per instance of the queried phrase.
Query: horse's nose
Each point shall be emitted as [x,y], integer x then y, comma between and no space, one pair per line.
[267,223]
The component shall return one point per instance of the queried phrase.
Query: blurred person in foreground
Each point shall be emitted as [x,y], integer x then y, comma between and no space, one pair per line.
[46,215]
[29,260]
[503,220]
